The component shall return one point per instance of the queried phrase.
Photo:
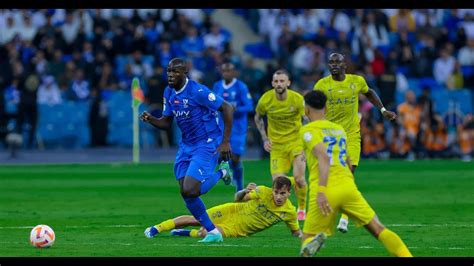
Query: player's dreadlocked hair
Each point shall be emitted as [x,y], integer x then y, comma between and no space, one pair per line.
[315,99]
[282,182]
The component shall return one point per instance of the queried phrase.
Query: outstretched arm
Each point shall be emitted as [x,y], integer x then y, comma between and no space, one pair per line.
[163,122]
[267,144]
[375,100]
[228,113]
[242,195]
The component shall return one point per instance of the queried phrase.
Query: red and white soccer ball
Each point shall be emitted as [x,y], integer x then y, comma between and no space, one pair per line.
[42,236]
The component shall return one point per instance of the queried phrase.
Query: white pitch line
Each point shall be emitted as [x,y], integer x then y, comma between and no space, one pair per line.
[138,225]
[234,245]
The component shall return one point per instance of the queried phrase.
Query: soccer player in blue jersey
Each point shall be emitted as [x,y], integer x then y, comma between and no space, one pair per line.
[195,108]
[235,92]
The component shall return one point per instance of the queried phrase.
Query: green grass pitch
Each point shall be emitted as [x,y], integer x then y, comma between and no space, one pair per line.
[103,209]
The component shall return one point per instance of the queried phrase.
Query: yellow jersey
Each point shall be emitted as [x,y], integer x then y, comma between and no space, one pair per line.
[284,117]
[342,106]
[334,138]
[260,212]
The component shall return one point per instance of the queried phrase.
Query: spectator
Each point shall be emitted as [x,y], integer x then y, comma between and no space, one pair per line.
[308,21]
[377,31]
[456,78]
[140,67]
[363,43]
[98,120]
[193,44]
[70,28]
[443,67]
[398,143]
[8,33]
[27,30]
[251,76]
[106,78]
[80,88]
[466,137]
[435,138]
[12,98]
[409,114]
[340,21]
[48,92]
[402,20]
[28,112]
[466,54]
[215,38]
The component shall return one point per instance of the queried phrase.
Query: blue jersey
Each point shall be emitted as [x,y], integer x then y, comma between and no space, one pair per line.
[237,94]
[195,110]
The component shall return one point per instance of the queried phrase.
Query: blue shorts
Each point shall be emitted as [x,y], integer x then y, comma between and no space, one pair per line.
[237,143]
[198,161]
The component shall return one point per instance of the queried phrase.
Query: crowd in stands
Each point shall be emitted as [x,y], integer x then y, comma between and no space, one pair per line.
[421,63]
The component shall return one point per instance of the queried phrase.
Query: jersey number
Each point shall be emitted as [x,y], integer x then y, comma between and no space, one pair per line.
[342,149]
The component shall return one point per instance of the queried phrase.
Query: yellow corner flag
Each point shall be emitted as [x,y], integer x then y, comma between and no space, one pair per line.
[137,99]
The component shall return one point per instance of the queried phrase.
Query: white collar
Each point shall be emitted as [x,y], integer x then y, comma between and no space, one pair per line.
[234,80]
[182,89]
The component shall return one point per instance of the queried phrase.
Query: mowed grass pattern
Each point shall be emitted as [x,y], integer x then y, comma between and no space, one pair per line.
[102,210]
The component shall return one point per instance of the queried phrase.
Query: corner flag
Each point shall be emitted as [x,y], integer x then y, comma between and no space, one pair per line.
[137,99]
[137,93]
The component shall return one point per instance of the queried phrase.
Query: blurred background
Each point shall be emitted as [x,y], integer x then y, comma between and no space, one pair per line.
[65,75]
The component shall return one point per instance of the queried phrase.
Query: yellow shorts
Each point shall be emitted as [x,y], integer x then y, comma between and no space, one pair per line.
[353,147]
[223,216]
[344,197]
[282,156]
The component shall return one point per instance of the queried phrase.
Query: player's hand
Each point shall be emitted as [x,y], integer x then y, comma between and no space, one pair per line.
[251,186]
[323,204]
[389,115]
[145,116]
[225,150]
[267,145]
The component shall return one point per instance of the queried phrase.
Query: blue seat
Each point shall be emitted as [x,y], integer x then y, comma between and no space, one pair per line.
[464,99]
[467,71]
[49,134]
[440,101]
[428,82]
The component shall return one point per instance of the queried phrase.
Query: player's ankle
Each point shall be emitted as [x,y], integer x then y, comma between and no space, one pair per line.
[214,231]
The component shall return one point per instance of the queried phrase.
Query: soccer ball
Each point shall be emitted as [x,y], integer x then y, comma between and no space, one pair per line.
[42,236]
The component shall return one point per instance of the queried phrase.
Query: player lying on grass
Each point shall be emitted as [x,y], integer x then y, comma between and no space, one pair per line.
[256,208]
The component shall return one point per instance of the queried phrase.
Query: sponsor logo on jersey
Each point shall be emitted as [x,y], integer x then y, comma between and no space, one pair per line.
[179,114]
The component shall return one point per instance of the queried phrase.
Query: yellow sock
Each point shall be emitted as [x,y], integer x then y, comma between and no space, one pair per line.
[394,244]
[344,216]
[165,226]
[301,196]
[194,233]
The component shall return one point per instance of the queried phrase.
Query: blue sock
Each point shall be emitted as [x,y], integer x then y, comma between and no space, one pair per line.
[210,182]
[182,232]
[238,177]
[198,210]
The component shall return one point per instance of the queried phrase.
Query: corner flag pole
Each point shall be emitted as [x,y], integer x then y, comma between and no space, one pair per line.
[137,99]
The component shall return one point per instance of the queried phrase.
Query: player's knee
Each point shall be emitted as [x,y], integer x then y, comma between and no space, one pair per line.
[190,192]
[300,181]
